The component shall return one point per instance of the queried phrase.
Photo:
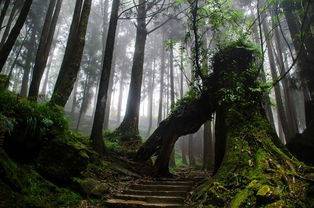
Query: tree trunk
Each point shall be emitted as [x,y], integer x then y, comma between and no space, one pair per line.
[150,99]
[110,87]
[183,150]
[290,106]
[45,84]
[3,12]
[121,87]
[28,63]
[10,21]
[191,113]
[8,45]
[96,134]
[208,151]
[280,106]
[74,100]
[184,119]
[44,47]
[50,59]
[73,54]
[129,125]
[220,136]
[162,72]
[84,104]
[192,162]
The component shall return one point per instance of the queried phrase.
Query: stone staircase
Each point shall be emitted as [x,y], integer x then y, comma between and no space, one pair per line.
[163,192]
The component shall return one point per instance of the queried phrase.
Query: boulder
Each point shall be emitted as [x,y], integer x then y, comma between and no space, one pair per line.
[90,187]
[61,161]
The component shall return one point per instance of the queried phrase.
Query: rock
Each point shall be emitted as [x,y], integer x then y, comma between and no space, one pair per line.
[62,161]
[90,187]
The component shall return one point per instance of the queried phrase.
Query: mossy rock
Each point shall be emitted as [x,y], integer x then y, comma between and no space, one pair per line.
[21,186]
[31,125]
[90,187]
[62,161]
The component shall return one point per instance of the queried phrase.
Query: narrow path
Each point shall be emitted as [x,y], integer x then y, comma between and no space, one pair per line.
[162,192]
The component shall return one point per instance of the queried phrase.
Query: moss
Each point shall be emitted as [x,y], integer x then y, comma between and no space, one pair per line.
[277,204]
[264,191]
[240,198]
[91,187]
[24,187]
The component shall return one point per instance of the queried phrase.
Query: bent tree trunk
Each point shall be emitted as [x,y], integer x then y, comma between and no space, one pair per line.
[256,170]
[187,117]
[192,111]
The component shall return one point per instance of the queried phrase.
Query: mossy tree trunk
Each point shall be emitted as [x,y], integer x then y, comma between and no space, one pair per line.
[186,118]
[256,169]
[192,111]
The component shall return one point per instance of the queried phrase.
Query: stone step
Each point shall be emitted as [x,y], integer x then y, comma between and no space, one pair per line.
[194,179]
[160,187]
[150,199]
[120,203]
[155,193]
[187,183]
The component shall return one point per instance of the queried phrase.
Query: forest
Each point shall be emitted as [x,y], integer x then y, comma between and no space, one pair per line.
[157,103]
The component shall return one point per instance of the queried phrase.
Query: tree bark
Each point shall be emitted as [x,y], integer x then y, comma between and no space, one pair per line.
[28,63]
[110,87]
[73,54]
[121,87]
[96,134]
[192,162]
[208,151]
[129,125]
[44,47]
[150,99]
[6,32]
[190,114]
[8,45]
[162,72]
[280,106]
[3,12]
[85,101]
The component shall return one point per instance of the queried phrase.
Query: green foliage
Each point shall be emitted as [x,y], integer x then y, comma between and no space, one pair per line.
[6,125]
[181,104]
[33,118]
[3,82]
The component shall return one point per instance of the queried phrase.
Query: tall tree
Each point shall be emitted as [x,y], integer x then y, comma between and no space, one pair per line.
[30,46]
[162,72]
[151,86]
[8,45]
[44,46]
[16,5]
[208,150]
[4,11]
[96,135]
[73,53]
[129,125]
